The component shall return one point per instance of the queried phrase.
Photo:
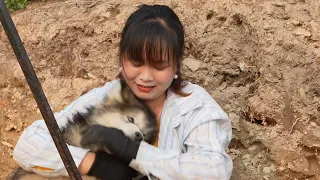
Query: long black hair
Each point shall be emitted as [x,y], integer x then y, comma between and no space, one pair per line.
[154,34]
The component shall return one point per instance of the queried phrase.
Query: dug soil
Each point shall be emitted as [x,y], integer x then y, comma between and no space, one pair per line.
[260,60]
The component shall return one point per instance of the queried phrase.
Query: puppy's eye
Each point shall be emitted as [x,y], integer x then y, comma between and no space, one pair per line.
[130,119]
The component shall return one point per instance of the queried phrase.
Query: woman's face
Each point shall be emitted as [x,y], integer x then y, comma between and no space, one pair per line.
[146,81]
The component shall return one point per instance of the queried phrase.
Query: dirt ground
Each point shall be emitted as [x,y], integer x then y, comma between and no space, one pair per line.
[260,60]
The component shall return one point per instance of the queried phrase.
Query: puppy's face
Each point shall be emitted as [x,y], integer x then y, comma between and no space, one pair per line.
[144,121]
[133,121]
[122,110]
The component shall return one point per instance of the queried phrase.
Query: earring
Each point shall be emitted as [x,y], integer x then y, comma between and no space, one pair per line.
[175,76]
[120,69]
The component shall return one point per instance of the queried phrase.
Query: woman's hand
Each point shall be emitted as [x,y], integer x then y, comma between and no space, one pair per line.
[113,139]
[108,167]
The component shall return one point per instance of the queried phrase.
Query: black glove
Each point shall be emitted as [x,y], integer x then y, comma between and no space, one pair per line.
[113,139]
[108,167]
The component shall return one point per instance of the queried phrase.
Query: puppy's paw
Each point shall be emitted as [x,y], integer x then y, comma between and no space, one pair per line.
[93,135]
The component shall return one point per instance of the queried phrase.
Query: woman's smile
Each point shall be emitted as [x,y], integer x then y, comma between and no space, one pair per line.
[145,89]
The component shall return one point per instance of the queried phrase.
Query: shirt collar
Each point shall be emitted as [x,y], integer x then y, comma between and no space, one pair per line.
[179,105]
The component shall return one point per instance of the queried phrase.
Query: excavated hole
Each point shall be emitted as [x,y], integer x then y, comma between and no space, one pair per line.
[258,119]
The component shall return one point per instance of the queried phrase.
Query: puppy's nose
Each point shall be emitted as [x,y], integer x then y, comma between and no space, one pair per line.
[139,136]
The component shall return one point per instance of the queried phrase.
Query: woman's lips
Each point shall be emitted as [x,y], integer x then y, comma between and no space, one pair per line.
[145,88]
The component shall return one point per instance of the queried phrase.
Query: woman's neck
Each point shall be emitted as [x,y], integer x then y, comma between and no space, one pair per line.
[157,104]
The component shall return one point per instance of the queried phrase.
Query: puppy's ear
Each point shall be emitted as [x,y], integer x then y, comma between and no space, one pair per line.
[121,93]
[114,96]
[127,95]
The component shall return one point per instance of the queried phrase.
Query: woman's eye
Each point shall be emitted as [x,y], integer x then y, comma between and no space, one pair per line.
[161,65]
[136,64]
[130,119]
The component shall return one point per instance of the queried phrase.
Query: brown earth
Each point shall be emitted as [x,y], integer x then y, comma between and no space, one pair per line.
[259,59]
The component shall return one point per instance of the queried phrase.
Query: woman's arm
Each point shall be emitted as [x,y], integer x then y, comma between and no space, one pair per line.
[205,156]
[35,149]
[86,163]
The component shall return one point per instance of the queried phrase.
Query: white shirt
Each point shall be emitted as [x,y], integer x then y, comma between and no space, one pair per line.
[194,133]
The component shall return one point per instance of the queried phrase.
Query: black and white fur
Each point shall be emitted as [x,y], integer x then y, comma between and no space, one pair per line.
[120,109]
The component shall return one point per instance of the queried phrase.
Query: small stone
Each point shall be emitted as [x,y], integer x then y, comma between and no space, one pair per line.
[269,27]
[252,148]
[315,30]
[269,169]
[207,81]
[296,23]
[313,124]
[292,1]
[266,170]
[279,4]
[7,144]
[282,168]
[192,64]
[10,127]
[234,151]
[302,32]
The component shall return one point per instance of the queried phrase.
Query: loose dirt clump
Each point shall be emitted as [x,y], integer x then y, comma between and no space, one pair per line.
[259,59]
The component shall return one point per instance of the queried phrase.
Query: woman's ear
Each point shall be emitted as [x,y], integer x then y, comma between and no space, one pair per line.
[119,75]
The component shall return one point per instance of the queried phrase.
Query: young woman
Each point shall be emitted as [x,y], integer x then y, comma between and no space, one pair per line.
[194,131]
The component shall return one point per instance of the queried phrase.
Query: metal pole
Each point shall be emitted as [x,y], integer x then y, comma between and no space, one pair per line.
[37,91]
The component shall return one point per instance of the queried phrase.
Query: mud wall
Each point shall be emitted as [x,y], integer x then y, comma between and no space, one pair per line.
[259,59]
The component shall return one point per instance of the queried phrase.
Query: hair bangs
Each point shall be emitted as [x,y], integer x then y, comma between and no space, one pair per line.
[151,42]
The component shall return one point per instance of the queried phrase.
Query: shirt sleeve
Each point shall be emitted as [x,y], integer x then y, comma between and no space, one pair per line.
[35,149]
[205,156]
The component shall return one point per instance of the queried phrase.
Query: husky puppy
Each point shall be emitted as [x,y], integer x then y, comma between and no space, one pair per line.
[120,109]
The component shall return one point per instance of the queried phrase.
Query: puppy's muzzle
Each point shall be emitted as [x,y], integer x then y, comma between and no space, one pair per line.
[138,137]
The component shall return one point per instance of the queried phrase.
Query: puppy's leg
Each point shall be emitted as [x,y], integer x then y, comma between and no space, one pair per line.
[21,174]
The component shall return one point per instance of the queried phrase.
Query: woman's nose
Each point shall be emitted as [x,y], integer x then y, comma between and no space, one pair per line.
[146,74]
